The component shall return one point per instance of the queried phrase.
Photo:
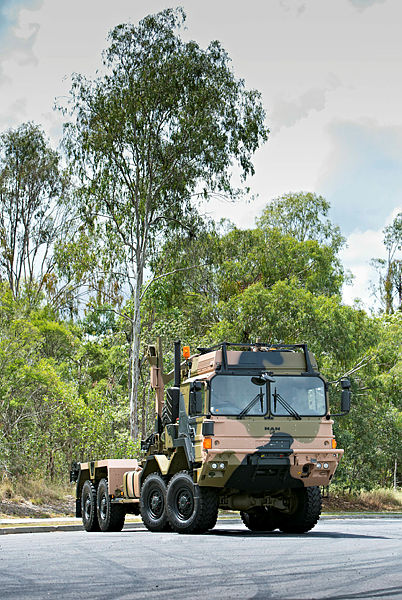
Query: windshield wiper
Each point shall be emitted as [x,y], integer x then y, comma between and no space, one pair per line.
[260,397]
[286,405]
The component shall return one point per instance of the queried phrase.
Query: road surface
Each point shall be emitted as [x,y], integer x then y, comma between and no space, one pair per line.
[340,559]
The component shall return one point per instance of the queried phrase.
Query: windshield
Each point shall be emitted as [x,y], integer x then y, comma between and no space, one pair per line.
[237,395]
[304,396]
[289,396]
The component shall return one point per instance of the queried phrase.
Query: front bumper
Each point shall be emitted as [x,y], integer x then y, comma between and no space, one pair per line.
[270,469]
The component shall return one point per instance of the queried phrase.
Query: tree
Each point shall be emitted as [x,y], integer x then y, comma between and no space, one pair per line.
[303,216]
[288,244]
[165,122]
[390,269]
[31,217]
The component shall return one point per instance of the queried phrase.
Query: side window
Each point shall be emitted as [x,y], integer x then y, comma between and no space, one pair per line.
[197,396]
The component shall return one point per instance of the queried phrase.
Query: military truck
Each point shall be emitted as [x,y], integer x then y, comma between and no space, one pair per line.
[245,427]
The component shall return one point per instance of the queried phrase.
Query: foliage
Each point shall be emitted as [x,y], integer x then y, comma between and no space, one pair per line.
[32,216]
[160,128]
[165,121]
[62,397]
[304,217]
[280,284]
[390,269]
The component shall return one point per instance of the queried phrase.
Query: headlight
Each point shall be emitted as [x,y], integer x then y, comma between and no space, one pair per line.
[214,466]
[221,465]
[319,465]
[325,465]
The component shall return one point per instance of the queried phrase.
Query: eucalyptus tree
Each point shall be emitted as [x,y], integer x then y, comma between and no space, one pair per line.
[31,215]
[390,268]
[293,241]
[304,216]
[164,121]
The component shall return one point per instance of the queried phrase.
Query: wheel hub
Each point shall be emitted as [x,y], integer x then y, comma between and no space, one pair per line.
[156,504]
[185,504]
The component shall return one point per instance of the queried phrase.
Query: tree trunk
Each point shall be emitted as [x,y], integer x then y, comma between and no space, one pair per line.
[388,289]
[395,472]
[135,356]
[144,415]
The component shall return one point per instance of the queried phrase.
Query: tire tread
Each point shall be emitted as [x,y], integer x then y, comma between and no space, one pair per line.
[207,513]
[115,515]
[92,525]
[161,524]
[308,513]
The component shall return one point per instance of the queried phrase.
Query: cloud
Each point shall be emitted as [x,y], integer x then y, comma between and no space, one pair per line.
[286,113]
[13,114]
[16,40]
[362,178]
[363,4]
[296,7]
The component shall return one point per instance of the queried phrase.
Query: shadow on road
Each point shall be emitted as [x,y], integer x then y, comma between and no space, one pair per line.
[270,534]
[279,534]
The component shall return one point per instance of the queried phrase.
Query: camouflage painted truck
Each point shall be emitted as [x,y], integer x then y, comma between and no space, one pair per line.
[243,428]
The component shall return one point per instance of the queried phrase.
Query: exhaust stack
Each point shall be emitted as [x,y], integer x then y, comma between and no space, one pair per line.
[177,374]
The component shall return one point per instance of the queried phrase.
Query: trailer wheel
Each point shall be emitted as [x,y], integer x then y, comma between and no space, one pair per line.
[88,506]
[153,503]
[260,519]
[307,511]
[190,508]
[110,516]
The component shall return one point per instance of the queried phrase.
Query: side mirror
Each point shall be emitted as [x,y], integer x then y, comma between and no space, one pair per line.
[346,395]
[262,380]
[196,399]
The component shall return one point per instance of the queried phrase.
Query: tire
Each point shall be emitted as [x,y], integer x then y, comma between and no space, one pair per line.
[153,503]
[88,507]
[260,519]
[190,508]
[110,516]
[307,511]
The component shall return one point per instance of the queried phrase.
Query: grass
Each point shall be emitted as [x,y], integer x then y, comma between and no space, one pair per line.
[35,498]
[377,500]
[381,498]
[36,491]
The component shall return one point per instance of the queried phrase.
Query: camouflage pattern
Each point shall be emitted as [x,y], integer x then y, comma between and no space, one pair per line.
[256,454]
[256,460]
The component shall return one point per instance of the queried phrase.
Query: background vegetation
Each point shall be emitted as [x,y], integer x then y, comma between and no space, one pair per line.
[102,249]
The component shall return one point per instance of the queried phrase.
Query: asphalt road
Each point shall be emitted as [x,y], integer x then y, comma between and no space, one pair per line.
[339,559]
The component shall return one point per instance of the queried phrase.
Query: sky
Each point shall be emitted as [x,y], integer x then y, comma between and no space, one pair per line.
[329,72]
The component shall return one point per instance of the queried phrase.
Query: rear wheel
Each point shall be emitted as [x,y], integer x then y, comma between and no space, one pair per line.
[260,519]
[153,503]
[88,507]
[110,516]
[307,509]
[190,508]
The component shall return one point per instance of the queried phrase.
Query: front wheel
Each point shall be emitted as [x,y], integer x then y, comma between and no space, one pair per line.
[110,516]
[260,519]
[307,504]
[88,507]
[190,508]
